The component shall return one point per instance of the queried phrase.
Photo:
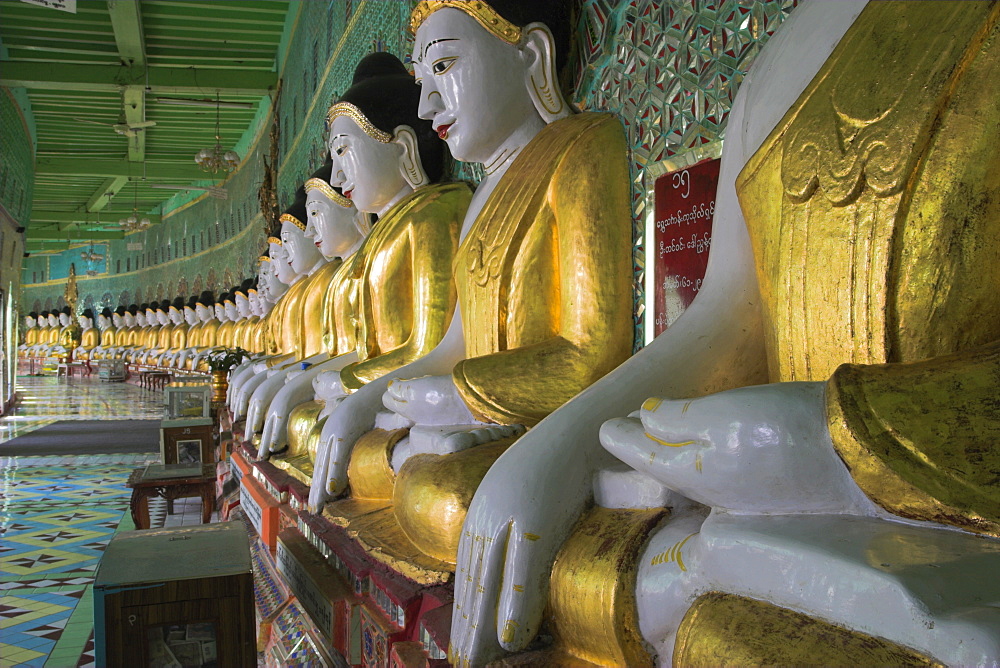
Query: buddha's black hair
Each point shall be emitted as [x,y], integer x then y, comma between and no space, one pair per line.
[388,97]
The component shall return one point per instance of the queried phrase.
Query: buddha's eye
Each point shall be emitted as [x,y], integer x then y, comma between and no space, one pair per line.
[442,65]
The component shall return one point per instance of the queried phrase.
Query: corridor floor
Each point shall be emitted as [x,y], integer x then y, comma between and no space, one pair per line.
[57,514]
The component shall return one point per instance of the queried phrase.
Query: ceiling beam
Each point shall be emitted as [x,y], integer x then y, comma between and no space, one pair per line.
[126,21]
[71,235]
[121,168]
[103,195]
[197,81]
[76,218]
[127,25]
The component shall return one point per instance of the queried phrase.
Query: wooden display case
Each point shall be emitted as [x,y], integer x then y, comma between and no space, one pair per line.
[171,597]
[187,441]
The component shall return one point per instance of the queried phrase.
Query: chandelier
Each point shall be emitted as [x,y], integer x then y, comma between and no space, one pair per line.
[135,223]
[215,159]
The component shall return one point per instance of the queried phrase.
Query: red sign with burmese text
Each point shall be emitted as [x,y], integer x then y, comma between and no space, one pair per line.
[684,208]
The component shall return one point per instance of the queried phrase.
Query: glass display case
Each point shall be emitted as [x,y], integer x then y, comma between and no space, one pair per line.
[186,400]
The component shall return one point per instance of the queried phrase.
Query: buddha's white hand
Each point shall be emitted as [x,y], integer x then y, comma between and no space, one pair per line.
[327,386]
[428,400]
[521,514]
[762,449]
[351,417]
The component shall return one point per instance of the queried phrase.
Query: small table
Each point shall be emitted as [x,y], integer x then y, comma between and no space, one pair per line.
[171,481]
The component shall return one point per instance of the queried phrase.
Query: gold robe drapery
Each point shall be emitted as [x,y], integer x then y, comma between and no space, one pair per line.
[545,275]
[874,212]
[405,297]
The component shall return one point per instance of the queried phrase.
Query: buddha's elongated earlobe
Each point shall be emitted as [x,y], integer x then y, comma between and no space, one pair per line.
[409,163]
[543,81]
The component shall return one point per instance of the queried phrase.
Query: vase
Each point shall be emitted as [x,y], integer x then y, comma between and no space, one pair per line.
[220,384]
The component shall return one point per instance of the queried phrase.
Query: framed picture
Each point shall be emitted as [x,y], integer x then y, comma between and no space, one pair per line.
[189,452]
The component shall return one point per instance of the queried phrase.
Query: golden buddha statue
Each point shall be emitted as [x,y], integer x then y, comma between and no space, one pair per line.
[68,337]
[858,189]
[272,273]
[252,335]
[127,329]
[387,162]
[181,346]
[305,259]
[160,342]
[29,334]
[89,335]
[283,330]
[173,338]
[106,332]
[201,335]
[145,334]
[543,314]
[41,335]
[337,230]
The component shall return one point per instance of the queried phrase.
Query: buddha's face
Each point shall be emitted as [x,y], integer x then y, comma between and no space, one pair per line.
[85,322]
[53,320]
[202,311]
[263,275]
[366,170]
[102,321]
[190,317]
[176,317]
[64,319]
[473,84]
[279,264]
[29,321]
[231,312]
[220,312]
[331,227]
[161,317]
[242,306]
[301,254]
[140,319]
[254,300]
[128,319]
[150,316]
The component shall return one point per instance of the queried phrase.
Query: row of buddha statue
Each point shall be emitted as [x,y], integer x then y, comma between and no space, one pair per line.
[455,402]
[803,468]
[175,334]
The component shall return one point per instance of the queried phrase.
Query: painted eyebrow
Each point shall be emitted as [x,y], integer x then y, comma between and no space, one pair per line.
[437,41]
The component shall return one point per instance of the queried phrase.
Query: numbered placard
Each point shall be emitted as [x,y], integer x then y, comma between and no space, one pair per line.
[680,238]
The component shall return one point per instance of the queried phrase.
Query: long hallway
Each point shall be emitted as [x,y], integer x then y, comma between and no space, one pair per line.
[57,514]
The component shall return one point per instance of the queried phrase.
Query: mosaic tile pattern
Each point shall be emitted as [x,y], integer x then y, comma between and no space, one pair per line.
[57,515]
[670,71]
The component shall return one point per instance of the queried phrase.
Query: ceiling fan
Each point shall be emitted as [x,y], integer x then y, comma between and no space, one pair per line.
[127,129]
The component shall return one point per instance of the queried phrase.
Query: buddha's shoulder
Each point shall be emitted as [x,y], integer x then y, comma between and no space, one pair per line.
[588,124]
[440,197]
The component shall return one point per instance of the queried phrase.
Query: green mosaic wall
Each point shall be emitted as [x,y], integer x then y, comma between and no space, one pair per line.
[17,158]
[669,69]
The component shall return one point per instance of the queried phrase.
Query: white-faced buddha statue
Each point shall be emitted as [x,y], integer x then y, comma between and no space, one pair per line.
[388,162]
[543,312]
[306,318]
[30,334]
[840,507]
[90,337]
[337,230]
